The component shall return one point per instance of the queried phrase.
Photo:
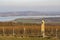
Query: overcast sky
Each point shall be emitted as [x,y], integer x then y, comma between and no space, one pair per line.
[29,5]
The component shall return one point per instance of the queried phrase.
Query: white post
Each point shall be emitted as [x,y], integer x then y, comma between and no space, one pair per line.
[56,32]
[43,28]
[3,31]
[24,32]
[13,32]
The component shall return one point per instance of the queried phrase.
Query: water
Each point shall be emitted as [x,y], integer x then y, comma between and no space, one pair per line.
[15,17]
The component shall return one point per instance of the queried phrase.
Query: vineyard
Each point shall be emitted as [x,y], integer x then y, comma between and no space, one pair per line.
[28,29]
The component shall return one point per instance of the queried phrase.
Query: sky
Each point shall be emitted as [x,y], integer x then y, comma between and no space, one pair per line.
[29,5]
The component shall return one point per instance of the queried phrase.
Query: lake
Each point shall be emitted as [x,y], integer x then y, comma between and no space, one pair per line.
[15,17]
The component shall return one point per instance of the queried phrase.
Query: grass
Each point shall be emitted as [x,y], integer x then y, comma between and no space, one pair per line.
[29,38]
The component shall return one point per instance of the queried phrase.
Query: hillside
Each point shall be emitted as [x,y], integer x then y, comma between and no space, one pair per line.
[29,13]
[38,20]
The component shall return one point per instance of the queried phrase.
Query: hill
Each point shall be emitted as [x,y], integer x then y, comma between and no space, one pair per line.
[29,13]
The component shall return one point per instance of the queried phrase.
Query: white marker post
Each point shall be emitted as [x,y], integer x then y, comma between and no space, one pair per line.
[13,32]
[56,32]
[24,32]
[3,32]
[43,28]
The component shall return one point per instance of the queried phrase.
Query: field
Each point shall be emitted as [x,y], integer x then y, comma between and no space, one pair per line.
[29,38]
[29,31]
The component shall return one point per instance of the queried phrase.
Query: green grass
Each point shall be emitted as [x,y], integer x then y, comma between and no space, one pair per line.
[30,38]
